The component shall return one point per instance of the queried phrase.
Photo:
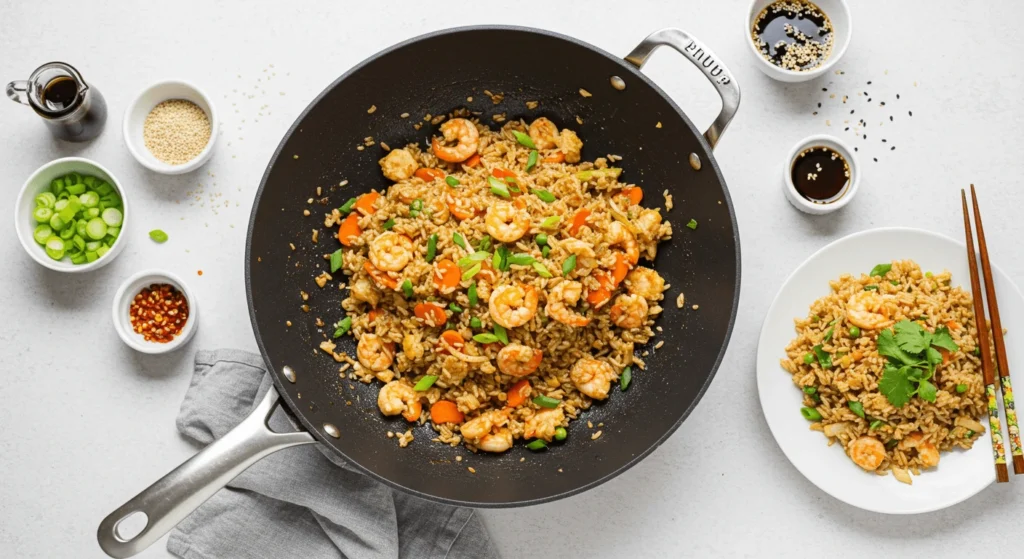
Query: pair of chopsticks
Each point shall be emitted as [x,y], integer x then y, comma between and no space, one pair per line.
[998,449]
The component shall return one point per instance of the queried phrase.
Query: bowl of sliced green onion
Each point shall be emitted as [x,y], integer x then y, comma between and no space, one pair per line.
[70,215]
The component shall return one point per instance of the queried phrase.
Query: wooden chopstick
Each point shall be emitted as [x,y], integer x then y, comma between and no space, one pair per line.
[1003,367]
[995,428]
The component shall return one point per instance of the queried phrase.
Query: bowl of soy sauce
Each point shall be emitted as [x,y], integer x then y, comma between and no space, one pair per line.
[820,175]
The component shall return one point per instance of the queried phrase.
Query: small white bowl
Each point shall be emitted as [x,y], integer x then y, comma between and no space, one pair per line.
[123,301]
[805,205]
[842,29]
[135,117]
[39,182]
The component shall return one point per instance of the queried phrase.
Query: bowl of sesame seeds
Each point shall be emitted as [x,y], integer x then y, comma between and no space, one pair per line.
[171,127]
[155,312]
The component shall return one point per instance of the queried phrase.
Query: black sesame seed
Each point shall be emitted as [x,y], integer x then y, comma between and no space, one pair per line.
[883,140]
[847,129]
[851,111]
[865,136]
[824,89]
[893,148]
[815,112]
[855,149]
[869,99]
[876,159]
[869,83]
[819,105]
[883,103]
[911,113]
[897,96]
[890,118]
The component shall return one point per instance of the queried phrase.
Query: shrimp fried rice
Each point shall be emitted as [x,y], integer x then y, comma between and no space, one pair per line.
[496,288]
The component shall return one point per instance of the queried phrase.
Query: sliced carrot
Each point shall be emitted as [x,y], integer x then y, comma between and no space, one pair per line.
[603,293]
[460,213]
[500,173]
[431,313]
[518,394]
[447,275]
[365,202]
[578,220]
[445,411]
[634,193]
[519,203]
[558,157]
[428,174]
[620,270]
[349,230]
[373,314]
[381,278]
[473,160]
[945,356]
[452,338]
[953,325]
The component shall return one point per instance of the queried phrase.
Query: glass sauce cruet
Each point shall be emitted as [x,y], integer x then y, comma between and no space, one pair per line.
[71,108]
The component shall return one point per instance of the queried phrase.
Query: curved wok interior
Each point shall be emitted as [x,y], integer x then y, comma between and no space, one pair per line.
[420,77]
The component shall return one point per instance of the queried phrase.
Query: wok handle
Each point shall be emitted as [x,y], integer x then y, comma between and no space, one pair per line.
[706,61]
[168,501]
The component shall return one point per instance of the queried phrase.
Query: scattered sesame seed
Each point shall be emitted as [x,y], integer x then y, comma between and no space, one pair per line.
[911,113]
[585,93]
[372,109]
[869,83]
[824,89]
[893,148]
[295,157]
[458,458]
[471,469]
[876,159]
[819,105]
[695,307]
[897,96]
[890,118]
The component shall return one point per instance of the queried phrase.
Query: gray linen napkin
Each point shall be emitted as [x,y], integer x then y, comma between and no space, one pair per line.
[303,501]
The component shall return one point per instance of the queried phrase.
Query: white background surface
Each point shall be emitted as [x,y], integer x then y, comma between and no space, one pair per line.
[87,422]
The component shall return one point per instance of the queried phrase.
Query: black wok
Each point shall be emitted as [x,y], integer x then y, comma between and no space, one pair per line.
[418,77]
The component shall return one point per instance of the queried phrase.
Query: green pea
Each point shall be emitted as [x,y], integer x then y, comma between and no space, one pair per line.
[854,332]
[808,358]
[561,434]
[961,388]
[542,239]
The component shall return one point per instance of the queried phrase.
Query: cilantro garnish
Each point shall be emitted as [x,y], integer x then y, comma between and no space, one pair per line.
[912,357]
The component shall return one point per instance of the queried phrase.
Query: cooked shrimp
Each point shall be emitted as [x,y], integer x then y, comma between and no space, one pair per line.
[584,251]
[629,311]
[465,136]
[543,424]
[646,283]
[519,360]
[398,397]
[437,210]
[488,431]
[374,353]
[868,310]
[926,451]
[363,290]
[563,296]
[618,235]
[592,377]
[406,192]
[571,145]
[390,251]
[506,222]
[649,224]
[398,165]
[513,305]
[544,133]
[867,452]
[412,346]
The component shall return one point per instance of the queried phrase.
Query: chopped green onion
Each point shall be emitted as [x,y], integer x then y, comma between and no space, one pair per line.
[977,351]
[42,233]
[569,265]
[876,424]
[42,214]
[927,274]
[156,234]
[57,186]
[452,181]
[472,271]
[961,388]
[625,378]
[407,289]
[550,222]
[336,261]
[544,195]
[810,414]
[692,224]
[546,402]
[55,248]
[537,444]
[541,270]
[431,248]
[485,338]
[46,200]
[560,433]
[425,383]
[95,229]
[484,244]
[870,288]
[542,239]
[473,297]
[810,389]
[524,139]
[389,224]
[503,254]
[89,199]
[498,187]
[67,233]
[856,407]
[459,240]
[453,307]
[894,282]
[808,358]
[415,207]
[545,251]
[342,327]
[56,223]
[347,206]
[474,322]
[531,161]
[521,259]
[76,189]
[828,334]
[969,434]
[501,333]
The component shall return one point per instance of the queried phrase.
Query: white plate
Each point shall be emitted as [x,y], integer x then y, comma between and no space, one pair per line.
[960,474]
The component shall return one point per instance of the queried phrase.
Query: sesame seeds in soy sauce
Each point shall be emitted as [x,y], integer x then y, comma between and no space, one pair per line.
[793,35]
[821,174]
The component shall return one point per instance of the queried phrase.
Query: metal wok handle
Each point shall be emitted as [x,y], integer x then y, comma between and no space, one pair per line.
[705,60]
[168,501]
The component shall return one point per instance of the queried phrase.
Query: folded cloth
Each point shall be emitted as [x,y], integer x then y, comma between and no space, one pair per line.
[303,501]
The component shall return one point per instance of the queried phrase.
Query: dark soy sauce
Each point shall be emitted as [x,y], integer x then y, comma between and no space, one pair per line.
[60,93]
[821,175]
[797,28]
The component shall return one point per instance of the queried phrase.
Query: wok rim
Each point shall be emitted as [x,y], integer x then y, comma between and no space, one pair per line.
[285,396]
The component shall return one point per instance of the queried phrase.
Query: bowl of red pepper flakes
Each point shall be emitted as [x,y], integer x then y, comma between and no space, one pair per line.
[154,312]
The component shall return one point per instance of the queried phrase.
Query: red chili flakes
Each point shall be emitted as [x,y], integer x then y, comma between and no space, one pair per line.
[200,272]
[159,312]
